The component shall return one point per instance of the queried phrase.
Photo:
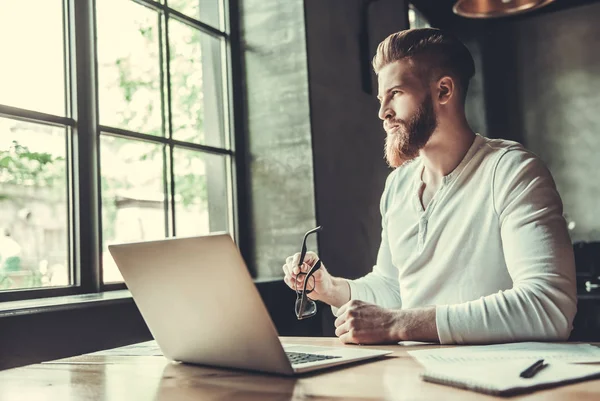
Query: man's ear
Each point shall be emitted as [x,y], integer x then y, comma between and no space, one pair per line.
[445,89]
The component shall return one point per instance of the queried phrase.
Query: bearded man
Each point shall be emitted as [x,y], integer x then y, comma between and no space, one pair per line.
[474,246]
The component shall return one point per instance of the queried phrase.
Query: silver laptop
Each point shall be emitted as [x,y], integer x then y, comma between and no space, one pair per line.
[201,305]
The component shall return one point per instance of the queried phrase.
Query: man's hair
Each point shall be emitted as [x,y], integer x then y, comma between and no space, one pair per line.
[436,53]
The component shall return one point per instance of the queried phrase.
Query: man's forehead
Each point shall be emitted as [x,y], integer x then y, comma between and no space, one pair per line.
[399,72]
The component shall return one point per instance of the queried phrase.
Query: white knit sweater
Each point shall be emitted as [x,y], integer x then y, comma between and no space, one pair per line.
[491,250]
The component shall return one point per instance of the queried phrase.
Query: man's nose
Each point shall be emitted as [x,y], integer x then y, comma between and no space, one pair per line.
[385,112]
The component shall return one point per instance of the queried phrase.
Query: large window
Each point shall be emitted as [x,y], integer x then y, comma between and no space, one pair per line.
[114,127]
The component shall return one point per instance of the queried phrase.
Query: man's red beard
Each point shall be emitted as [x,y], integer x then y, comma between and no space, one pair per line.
[398,149]
[405,143]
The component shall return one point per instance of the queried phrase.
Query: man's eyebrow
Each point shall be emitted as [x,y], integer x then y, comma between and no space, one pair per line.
[391,89]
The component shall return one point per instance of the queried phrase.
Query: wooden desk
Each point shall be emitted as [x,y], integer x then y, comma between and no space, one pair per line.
[118,375]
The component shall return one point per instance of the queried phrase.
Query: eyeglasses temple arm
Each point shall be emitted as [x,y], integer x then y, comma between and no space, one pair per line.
[303,252]
[313,269]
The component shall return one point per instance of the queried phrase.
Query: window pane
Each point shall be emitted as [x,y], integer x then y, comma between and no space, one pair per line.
[196,86]
[416,19]
[201,201]
[129,66]
[33,199]
[206,11]
[133,202]
[32,71]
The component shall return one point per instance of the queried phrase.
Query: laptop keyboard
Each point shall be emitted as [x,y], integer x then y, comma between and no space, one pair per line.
[300,357]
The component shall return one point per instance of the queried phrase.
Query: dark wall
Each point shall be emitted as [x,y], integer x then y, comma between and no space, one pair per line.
[347,135]
[559,88]
[541,79]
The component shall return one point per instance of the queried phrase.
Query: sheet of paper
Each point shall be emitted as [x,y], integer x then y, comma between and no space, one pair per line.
[149,348]
[568,353]
[503,377]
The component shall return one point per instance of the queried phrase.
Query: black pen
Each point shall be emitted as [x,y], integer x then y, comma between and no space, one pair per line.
[533,369]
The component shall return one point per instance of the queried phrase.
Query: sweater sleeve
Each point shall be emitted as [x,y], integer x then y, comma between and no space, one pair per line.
[381,285]
[538,253]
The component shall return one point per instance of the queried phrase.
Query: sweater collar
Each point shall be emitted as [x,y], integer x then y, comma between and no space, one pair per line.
[475,146]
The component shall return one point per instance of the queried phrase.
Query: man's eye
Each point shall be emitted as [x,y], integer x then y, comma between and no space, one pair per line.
[395,92]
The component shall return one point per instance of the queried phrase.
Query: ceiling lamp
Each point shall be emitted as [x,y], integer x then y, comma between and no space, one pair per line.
[496,8]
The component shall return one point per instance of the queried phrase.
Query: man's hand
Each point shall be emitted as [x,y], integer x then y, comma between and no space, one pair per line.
[331,290]
[323,280]
[359,322]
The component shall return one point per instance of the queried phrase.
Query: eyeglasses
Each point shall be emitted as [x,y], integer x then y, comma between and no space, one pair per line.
[306,307]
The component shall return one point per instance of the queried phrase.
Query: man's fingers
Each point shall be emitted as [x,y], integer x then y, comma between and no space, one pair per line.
[348,338]
[309,258]
[343,309]
[292,260]
[292,283]
[341,319]
[288,271]
[342,329]
[289,276]
[290,279]
[305,268]
[295,259]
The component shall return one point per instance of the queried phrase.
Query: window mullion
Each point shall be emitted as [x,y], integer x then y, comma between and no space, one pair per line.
[169,120]
[237,131]
[87,233]
[164,115]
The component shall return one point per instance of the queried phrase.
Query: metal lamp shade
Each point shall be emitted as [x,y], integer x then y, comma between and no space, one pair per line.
[496,8]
